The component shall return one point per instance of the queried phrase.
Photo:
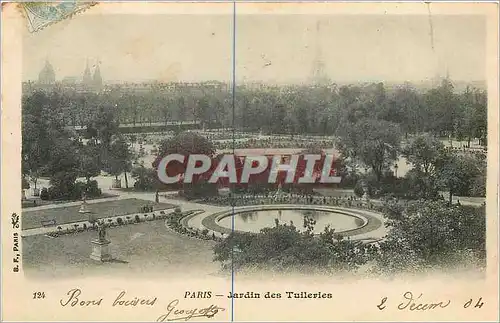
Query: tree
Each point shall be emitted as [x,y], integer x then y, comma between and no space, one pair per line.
[48,148]
[145,178]
[480,112]
[90,164]
[430,233]
[40,130]
[404,107]
[374,143]
[185,144]
[180,108]
[202,110]
[443,108]
[426,153]
[284,247]
[103,126]
[457,174]
[278,119]
[63,168]
[119,158]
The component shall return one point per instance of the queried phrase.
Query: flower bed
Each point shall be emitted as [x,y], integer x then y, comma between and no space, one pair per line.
[110,222]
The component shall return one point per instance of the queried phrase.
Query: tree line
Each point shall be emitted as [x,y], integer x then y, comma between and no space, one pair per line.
[291,109]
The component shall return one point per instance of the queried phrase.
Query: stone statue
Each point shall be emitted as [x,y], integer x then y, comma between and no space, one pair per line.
[83,207]
[365,197]
[101,230]
[100,246]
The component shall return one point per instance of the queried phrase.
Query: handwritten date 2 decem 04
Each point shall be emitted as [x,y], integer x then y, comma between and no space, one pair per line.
[416,303]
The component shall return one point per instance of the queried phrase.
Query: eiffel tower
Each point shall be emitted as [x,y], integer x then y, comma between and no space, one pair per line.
[319,76]
[441,70]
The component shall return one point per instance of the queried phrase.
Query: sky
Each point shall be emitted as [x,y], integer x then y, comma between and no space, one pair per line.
[269,47]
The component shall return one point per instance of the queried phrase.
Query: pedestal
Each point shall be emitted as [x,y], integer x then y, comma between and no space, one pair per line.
[100,250]
[84,208]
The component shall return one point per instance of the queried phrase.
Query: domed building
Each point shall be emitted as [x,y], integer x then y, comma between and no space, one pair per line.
[90,82]
[47,76]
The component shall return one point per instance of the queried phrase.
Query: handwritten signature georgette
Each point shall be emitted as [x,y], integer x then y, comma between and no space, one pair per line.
[176,314]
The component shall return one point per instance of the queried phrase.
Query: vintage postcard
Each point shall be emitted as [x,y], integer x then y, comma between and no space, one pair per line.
[239,161]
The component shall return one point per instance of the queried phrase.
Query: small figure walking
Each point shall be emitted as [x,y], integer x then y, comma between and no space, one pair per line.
[157,197]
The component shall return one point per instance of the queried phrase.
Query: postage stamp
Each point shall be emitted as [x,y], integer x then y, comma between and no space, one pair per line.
[225,162]
[42,14]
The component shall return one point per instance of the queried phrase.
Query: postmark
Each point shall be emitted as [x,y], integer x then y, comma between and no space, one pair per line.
[42,14]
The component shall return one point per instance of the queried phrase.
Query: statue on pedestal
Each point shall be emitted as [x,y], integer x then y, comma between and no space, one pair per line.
[83,207]
[365,197]
[101,230]
[100,246]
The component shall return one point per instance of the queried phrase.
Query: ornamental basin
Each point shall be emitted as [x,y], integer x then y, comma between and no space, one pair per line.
[256,220]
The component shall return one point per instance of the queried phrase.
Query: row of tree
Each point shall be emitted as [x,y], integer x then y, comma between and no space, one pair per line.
[292,109]
[376,145]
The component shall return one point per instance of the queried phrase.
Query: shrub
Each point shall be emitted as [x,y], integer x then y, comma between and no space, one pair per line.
[76,192]
[198,190]
[349,181]
[145,178]
[44,194]
[93,189]
[25,184]
[478,186]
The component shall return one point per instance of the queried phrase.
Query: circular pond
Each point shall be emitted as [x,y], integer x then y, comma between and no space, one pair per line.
[255,220]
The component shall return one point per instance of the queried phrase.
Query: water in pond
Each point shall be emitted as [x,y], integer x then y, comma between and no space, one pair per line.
[254,221]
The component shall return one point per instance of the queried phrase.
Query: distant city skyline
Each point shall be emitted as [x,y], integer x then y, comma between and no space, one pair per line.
[269,48]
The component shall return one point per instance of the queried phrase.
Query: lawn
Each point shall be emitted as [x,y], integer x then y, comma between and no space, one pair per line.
[147,248]
[34,202]
[31,219]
